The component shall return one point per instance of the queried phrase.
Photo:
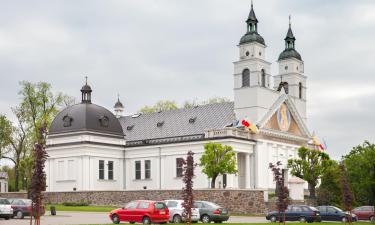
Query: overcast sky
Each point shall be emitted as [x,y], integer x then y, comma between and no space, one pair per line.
[182,50]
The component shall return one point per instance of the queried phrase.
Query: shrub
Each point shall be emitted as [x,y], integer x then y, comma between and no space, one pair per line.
[82,203]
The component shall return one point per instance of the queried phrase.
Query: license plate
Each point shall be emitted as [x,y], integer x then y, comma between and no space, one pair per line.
[162,212]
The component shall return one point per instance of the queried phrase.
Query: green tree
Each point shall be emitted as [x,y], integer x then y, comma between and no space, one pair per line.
[329,191]
[159,106]
[310,166]
[218,159]
[25,170]
[5,134]
[195,102]
[360,165]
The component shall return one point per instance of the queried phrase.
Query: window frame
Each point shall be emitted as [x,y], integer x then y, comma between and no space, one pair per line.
[110,172]
[179,168]
[147,170]
[101,170]
[245,74]
[138,172]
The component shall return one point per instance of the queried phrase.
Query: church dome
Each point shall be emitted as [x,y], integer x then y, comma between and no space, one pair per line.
[86,116]
[252,37]
[289,53]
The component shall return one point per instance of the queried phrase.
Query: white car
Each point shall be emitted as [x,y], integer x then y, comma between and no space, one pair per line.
[6,210]
[176,209]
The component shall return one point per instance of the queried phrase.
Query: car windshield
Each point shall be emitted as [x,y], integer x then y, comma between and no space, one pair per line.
[4,202]
[313,208]
[160,205]
[337,209]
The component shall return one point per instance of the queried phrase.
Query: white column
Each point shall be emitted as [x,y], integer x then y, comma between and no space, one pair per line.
[247,171]
[235,176]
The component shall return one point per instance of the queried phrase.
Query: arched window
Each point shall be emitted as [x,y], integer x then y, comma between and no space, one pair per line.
[246,78]
[300,90]
[284,85]
[263,78]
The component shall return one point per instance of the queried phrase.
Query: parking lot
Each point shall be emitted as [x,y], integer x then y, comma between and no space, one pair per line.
[63,218]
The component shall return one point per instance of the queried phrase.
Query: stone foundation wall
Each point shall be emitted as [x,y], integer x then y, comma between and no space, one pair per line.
[237,201]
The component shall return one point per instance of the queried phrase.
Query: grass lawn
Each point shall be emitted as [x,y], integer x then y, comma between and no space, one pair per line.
[323,223]
[82,208]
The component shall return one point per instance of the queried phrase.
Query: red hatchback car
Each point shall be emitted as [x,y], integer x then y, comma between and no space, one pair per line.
[141,211]
[364,212]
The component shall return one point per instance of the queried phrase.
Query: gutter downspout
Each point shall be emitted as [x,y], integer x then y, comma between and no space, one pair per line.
[159,167]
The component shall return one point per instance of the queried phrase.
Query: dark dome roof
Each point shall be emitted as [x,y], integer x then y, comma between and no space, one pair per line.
[118,105]
[86,117]
[289,53]
[252,37]
[86,88]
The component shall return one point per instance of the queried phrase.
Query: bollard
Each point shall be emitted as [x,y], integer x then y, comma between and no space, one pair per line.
[53,211]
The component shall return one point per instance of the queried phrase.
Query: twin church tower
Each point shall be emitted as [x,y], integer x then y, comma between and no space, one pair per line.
[255,89]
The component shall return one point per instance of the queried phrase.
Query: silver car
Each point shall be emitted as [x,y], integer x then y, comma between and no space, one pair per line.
[6,210]
[176,210]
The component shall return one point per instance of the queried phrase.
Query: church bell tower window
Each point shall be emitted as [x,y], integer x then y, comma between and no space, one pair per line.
[246,78]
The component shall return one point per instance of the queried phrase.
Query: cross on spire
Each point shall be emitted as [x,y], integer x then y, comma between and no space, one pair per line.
[86,79]
[290,24]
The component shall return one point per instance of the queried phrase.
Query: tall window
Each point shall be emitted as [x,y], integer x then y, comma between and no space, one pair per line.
[101,169]
[179,167]
[137,170]
[147,169]
[110,170]
[263,78]
[246,78]
[300,90]
[61,169]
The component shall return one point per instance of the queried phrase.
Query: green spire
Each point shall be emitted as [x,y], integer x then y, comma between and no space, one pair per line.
[289,39]
[252,21]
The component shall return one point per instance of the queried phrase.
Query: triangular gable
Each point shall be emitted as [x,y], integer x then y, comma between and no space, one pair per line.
[284,117]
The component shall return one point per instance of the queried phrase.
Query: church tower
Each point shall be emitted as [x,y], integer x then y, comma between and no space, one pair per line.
[252,74]
[291,77]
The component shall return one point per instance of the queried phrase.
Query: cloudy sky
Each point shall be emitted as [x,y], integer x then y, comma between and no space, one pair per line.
[179,50]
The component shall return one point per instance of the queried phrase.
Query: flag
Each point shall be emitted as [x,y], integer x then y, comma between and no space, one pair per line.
[252,127]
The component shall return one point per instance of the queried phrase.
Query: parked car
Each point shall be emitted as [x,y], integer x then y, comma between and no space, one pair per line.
[6,210]
[22,207]
[332,213]
[302,213]
[176,210]
[364,212]
[210,211]
[141,211]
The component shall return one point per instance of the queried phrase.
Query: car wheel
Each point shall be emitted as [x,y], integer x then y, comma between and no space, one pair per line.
[146,220]
[7,218]
[344,219]
[19,215]
[302,219]
[177,219]
[115,219]
[132,222]
[206,219]
[218,222]
[273,219]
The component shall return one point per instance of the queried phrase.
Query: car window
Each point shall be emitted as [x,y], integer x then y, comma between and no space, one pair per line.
[331,210]
[212,205]
[27,202]
[17,202]
[313,208]
[143,205]
[368,208]
[131,205]
[305,209]
[198,205]
[296,209]
[337,209]
[322,208]
[172,204]
[4,202]
[160,205]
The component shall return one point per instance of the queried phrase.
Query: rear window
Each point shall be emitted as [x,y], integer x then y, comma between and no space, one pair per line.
[313,208]
[4,202]
[172,204]
[212,205]
[160,205]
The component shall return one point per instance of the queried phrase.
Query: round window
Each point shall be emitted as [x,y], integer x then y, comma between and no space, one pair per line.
[286,67]
[247,53]
[260,53]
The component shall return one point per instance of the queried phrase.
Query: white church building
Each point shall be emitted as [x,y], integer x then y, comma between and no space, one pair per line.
[91,148]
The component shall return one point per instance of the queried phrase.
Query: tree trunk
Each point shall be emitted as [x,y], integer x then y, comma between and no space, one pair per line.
[213,180]
[17,176]
[312,191]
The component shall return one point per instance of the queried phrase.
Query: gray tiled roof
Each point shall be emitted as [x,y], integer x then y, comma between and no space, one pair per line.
[176,122]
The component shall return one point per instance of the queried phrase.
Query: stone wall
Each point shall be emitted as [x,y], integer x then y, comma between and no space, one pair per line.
[237,201]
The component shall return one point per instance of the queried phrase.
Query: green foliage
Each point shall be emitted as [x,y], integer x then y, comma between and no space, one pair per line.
[310,166]
[160,106]
[329,191]
[218,159]
[5,134]
[39,106]
[360,164]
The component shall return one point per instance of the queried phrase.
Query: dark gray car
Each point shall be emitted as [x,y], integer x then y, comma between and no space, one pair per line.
[210,211]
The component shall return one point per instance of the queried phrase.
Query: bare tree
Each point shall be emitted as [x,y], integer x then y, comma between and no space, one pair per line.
[282,191]
[187,191]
